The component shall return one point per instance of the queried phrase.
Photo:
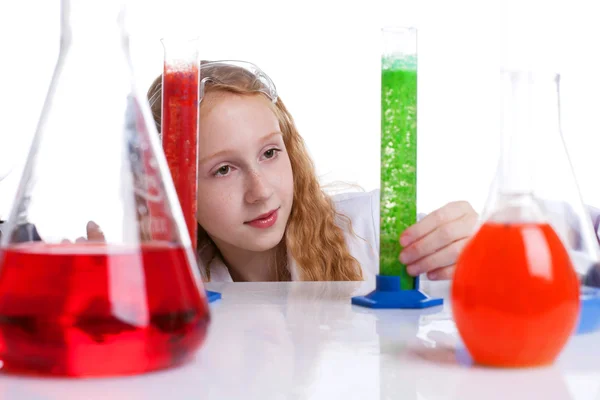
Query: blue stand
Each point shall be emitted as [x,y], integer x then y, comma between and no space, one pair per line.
[212,296]
[589,316]
[388,294]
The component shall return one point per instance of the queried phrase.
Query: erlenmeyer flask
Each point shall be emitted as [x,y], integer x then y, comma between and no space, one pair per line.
[515,294]
[97,272]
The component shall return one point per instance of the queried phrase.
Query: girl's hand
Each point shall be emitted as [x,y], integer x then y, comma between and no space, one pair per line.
[433,244]
[93,234]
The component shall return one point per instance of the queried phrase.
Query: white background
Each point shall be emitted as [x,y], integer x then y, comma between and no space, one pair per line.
[324,58]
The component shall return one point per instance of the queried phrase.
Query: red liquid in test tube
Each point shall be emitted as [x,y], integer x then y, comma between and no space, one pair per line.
[180,127]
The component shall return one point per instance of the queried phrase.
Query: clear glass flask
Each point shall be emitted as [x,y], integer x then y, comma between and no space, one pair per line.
[97,272]
[516,281]
[398,193]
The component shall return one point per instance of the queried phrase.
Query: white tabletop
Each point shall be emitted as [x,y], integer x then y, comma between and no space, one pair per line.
[304,340]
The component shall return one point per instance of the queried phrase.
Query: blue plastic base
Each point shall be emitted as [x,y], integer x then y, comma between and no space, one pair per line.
[589,317]
[388,294]
[212,296]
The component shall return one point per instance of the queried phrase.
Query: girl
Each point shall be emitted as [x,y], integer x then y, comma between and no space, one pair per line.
[262,215]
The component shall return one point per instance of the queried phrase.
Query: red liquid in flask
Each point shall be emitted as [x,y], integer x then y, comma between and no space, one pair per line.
[515,295]
[93,310]
[180,137]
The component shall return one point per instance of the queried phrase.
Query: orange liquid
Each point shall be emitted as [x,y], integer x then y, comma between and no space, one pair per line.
[515,295]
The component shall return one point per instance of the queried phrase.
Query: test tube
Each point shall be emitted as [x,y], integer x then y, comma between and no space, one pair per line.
[398,197]
[180,117]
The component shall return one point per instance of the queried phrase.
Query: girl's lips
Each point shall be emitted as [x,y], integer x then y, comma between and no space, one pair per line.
[265,220]
[263,216]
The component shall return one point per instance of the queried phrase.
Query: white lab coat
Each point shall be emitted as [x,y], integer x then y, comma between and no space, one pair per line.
[363,210]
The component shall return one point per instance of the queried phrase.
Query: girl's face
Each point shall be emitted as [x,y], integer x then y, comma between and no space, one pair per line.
[245,184]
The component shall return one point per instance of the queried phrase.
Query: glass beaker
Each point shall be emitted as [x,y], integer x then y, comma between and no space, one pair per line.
[179,123]
[515,294]
[398,193]
[97,272]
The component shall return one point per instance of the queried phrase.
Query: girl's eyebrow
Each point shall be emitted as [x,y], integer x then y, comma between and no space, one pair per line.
[270,136]
[217,154]
[226,152]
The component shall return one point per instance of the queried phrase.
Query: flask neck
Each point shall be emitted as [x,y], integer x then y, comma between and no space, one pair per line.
[530,115]
[95,24]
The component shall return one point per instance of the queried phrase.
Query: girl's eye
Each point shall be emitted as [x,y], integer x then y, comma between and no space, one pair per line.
[224,170]
[271,153]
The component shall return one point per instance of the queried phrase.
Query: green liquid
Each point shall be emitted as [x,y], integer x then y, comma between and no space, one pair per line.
[398,202]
